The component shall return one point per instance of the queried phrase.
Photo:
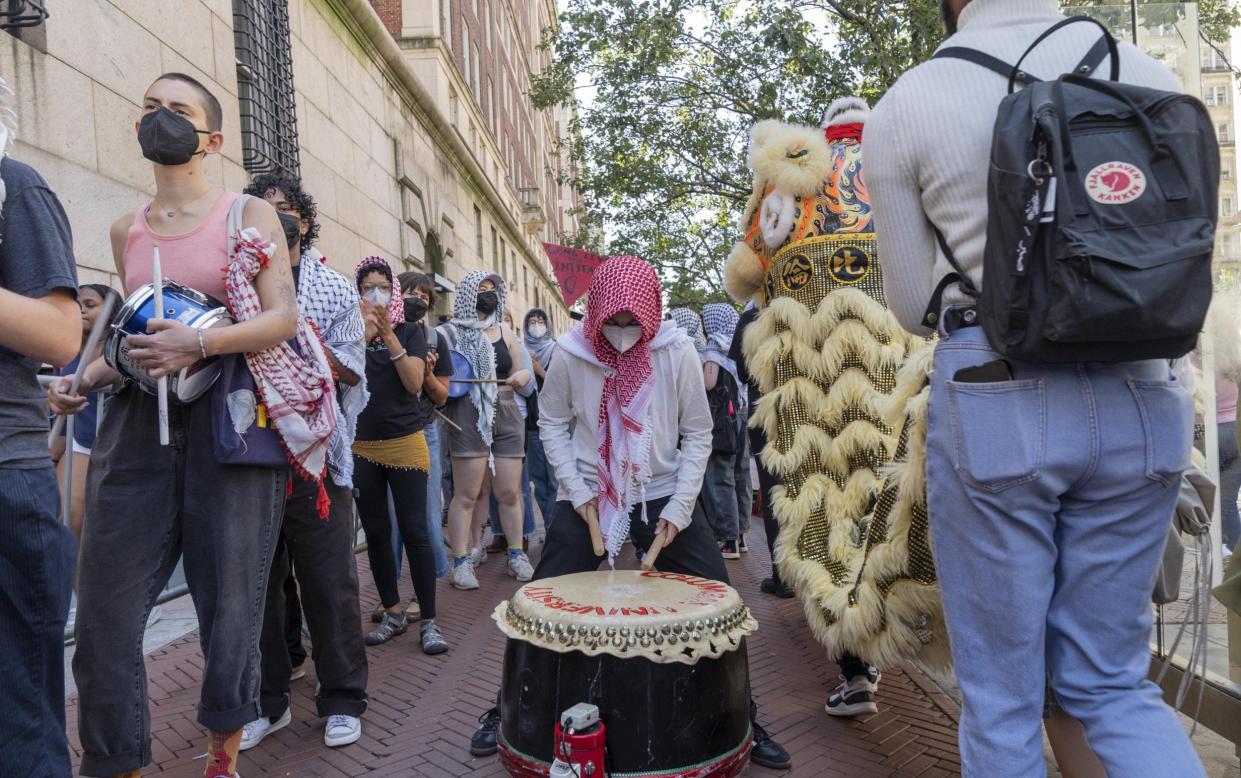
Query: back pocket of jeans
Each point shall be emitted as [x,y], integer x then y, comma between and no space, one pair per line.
[1166,408]
[998,431]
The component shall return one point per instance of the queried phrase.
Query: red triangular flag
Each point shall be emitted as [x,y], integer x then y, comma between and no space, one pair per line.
[573,269]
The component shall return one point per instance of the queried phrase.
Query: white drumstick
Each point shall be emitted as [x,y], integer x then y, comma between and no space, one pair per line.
[92,342]
[159,314]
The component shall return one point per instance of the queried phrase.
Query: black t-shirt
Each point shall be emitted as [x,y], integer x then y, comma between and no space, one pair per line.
[392,411]
[737,355]
[36,257]
[443,367]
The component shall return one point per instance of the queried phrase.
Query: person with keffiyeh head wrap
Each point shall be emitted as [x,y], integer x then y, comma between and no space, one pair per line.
[541,343]
[624,421]
[689,321]
[391,455]
[40,321]
[727,392]
[490,434]
[321,550]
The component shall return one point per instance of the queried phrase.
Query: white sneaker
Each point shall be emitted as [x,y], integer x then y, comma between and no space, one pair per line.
[478,557]
[253,733]
[341,730]
[520,568]
[854,697]
[463,576]
[298,674]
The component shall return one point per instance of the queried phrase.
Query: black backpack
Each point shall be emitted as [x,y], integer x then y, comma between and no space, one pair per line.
[1102,201]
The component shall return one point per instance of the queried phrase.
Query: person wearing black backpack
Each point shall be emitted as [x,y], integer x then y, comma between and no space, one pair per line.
[1054,228]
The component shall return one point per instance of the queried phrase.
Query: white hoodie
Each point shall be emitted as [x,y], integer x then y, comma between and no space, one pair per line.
[678,417]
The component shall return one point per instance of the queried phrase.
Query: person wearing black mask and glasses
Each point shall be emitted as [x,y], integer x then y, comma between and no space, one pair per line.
[157,503]
[318,551]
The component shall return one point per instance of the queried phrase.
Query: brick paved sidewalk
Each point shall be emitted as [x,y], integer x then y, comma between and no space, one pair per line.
[423,709]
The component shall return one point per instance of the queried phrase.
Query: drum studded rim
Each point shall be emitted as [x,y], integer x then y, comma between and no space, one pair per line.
[662,617]
[723,764]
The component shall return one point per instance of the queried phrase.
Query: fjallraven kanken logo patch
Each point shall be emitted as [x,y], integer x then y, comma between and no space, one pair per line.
[1115,183]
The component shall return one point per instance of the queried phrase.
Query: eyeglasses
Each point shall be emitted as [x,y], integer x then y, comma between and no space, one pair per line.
[372,287]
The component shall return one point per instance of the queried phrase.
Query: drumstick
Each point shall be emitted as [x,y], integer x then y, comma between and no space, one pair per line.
[592,523]
[92,342]
[652,553]
[162,381]
[449,421]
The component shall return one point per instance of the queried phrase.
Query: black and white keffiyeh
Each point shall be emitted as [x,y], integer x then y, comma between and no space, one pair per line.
[472,343]
[330,302]
[720,322]
[688,320]
[540,348]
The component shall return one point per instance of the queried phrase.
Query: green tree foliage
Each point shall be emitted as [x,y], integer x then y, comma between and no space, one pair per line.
[673,87]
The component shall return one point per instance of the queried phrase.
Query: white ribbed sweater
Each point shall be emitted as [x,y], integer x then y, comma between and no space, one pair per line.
[928,143]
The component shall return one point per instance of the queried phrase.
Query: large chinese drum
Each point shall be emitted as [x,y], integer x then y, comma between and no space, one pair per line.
[662,655]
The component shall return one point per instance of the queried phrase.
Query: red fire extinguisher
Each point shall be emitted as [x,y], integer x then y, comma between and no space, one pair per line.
[580,743]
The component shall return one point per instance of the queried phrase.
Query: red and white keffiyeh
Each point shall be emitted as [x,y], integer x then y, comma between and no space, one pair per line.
[297,390]
[396,310]
[623,430]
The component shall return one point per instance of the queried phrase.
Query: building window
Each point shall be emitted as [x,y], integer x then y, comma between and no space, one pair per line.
[1225,132]
[1226,207]
[446,22]
[465,52]
[1225,171]
[24,20]
[452,105]
[1217,95]
[265,86]
[497,261]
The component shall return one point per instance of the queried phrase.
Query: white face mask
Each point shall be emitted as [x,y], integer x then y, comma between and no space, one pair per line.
[622,338]
[537,330]
[378,297]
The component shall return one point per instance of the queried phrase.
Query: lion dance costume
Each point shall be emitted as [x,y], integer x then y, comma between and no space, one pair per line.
[826,352]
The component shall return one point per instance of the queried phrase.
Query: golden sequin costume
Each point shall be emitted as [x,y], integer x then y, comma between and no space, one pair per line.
[825,351]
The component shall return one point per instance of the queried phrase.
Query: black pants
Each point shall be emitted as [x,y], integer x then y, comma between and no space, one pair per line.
[147,506]
[293,617]
[321,553]
[409,495]
[766,482]
[693,552]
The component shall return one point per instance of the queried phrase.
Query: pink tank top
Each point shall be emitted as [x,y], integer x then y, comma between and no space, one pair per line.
[196,259]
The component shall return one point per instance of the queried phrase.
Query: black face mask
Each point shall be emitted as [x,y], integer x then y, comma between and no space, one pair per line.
[487,303]
[415,309]
[168,139]
[292,228]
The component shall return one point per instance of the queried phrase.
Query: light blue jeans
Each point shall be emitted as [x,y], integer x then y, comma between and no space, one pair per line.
[435,497]
[1050,497]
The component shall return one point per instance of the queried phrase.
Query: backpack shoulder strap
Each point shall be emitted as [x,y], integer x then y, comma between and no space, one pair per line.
[1094,58]
[983,59]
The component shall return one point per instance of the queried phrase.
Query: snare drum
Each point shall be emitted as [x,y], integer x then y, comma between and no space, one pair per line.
[181,303]
[662,654]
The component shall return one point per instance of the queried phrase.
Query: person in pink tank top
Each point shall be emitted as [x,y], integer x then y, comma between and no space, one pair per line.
[148,505]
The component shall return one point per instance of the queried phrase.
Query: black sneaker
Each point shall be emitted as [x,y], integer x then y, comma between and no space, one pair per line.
[854,697]
[483,742]
[393,624]
[778,588]
[768,753]
[729,549]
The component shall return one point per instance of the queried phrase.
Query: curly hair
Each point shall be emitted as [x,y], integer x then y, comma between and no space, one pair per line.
[291,188]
